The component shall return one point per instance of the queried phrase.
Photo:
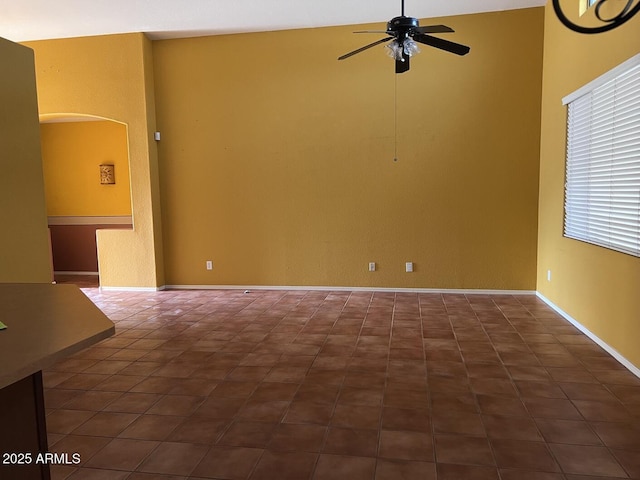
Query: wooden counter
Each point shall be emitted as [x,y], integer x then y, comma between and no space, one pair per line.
[45,323]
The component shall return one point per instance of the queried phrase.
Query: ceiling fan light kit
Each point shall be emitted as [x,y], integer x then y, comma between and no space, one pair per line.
[405,33]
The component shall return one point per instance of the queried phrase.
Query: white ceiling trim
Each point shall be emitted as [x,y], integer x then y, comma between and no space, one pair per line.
[23,20]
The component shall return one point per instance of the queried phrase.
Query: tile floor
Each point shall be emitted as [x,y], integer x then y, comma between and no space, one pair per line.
[341,385]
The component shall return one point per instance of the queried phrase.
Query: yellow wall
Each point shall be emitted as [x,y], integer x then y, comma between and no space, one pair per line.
[71,155]
[277,160]
[111,77]
[596,286]
[24,241]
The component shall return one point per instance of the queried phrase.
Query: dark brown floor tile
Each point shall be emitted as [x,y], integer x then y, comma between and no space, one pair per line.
[406,470]
[571,374]
[234,389]
[587,460]
[360,396]
[248,434]
[177,405]
[558,360]
[417,420]
[330,467]
[153,385]
[552,408]
[514,428]
[628,395]
[199,430]
[511,474]
[405,445]
[528,373]
[619,435]
[486,370]
[446,403]
[248,374]
[106,424]
[497,405]
[630,460]
[122,454]
[351,441]
[582,391]
[405,398]
[493,386]
[233,463]
[458,422]
[466,472]
[356,416]
[92,400]
[58,397]
[274,391]
[575,432]
[316,393]
[519,359]
[307,412]
[151,427]
[448,385]
[218,407]
[263,411]
[289,466]
[617,377]
[84,445]
[446,369]
[174,458]
[192,387]
[458,449]
[133,402]
[297,438]
[82,381]
[95,474]
[523,455]
[603,411]
[539,389]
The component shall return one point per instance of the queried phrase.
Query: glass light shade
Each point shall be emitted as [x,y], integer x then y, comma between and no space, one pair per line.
[408,47]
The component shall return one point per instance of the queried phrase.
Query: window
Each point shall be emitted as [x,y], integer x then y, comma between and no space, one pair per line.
[602,191]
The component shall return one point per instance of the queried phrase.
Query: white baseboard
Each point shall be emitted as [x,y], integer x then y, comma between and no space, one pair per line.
[75,273]
[132,289]
[608,348]
[352,289]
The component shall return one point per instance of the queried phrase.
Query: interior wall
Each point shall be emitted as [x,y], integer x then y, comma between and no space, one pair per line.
[108,77]
[24,242]
[277,160]
[596,286]
[71,155]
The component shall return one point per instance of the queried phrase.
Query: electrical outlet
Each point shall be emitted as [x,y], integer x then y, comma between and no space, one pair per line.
[408,267]
[548,275]
[209,265]
[372,266]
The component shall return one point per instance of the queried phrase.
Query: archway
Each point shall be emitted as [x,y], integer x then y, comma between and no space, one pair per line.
[87,188]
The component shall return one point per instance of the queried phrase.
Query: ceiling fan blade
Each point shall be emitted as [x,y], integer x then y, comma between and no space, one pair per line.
[452,47]
[433,29]
[371,31]
[366,47]
[403,65]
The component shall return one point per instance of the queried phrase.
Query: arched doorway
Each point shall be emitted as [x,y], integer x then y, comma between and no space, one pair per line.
[87,188]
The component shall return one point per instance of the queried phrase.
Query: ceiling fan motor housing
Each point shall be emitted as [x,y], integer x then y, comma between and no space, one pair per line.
[402,25]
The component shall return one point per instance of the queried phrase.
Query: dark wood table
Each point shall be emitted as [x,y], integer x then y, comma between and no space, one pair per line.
[45,323]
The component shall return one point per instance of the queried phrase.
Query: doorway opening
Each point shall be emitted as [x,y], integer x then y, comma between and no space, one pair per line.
[87,188]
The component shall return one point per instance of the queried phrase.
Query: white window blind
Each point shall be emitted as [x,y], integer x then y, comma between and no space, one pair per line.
[602,192]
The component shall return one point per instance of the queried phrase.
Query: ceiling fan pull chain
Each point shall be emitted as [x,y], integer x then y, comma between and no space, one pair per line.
[395,118]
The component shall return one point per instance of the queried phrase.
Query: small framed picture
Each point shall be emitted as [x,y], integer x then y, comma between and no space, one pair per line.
[107,175]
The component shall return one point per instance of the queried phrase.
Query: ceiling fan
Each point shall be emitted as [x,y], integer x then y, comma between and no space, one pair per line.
[403,33]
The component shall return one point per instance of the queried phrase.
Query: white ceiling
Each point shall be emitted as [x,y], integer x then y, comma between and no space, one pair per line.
[22,20]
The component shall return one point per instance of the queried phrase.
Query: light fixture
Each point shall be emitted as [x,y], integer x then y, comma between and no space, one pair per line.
[398,49]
